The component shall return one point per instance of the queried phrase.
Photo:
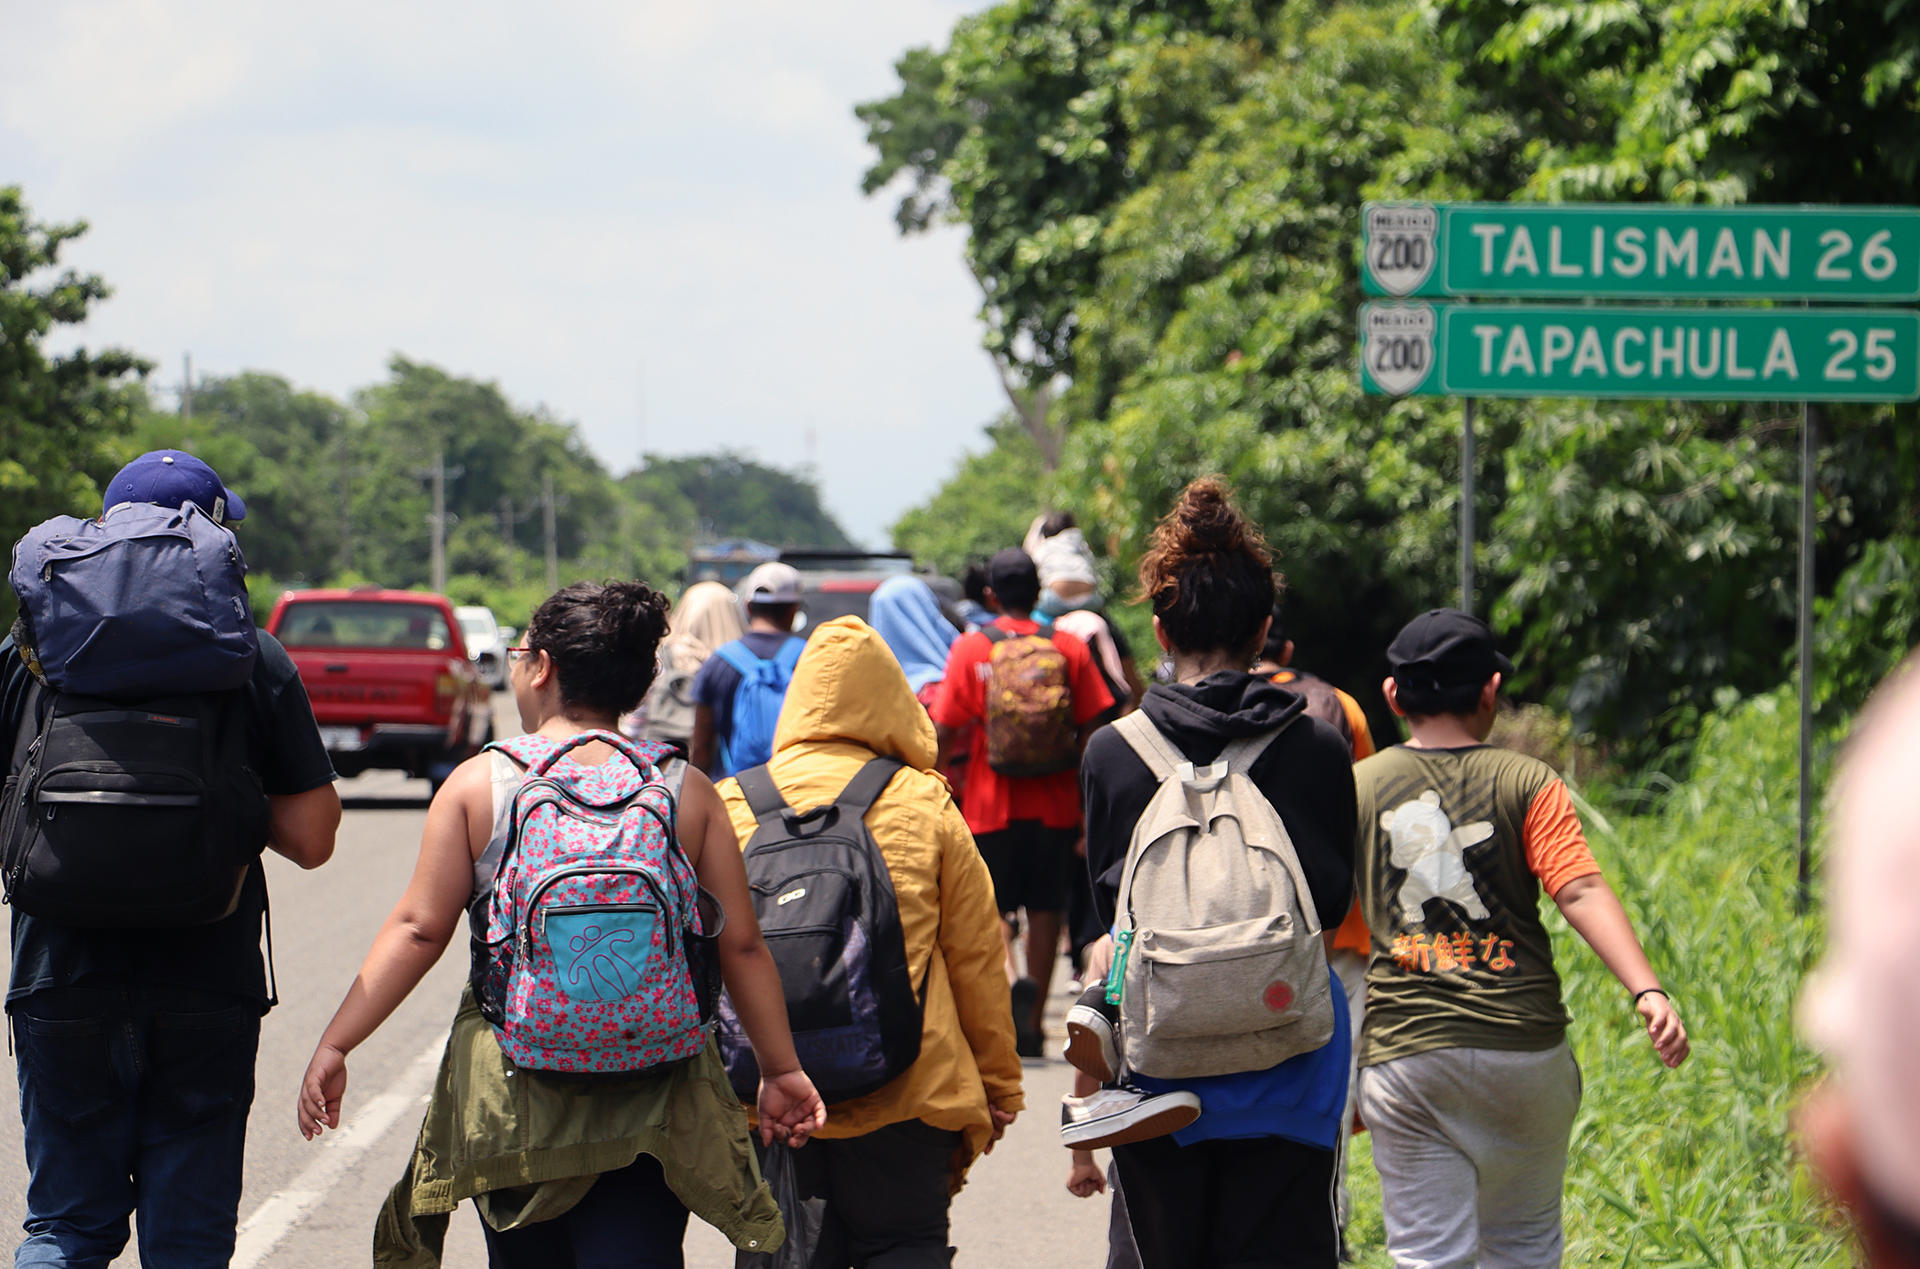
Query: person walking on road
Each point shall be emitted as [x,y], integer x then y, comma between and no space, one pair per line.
[136,1046]
[1247,1182]
[1467,1085]
[1031,698]
[569,1171]
[737,693]
[887,1162]
[706,617]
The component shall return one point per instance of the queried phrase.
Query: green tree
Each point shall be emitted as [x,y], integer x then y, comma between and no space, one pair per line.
[1219,334]
[985,505]
[1029,129]
[728,495]
[1720,101]
[278,447]
[63,417]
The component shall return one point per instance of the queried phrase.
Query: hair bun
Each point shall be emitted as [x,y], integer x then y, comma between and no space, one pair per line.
[1208,520]
[633,616]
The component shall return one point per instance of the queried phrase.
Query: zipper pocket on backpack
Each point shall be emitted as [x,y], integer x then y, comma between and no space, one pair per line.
[111,797]
[572,909]
[554,879]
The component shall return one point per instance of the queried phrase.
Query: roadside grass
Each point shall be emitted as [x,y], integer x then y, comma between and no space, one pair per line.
[1691,1167]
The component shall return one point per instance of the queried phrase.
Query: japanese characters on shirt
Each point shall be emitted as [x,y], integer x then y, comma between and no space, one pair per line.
[1431,850]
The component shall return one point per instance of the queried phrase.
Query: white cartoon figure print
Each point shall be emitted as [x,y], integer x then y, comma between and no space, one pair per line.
[1428,846]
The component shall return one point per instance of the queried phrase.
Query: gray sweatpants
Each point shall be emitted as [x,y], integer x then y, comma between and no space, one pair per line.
[1471,1147]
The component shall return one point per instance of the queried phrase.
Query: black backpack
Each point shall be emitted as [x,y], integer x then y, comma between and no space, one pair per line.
[124,815]
[825,902]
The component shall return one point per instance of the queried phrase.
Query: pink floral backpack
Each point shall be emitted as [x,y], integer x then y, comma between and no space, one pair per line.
[595,943]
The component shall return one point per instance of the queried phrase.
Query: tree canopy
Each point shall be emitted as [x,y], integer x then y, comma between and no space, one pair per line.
[1162,202]
[62,416]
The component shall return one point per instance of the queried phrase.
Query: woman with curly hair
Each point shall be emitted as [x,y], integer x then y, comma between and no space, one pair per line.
[566,1170]
[1249,1181]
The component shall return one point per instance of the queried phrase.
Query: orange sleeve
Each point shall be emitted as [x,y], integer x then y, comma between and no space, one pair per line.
[1556,845]
[1353,935]
[1357,724]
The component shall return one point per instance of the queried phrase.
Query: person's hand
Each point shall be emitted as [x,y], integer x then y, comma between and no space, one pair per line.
[1084,1177]
[1097,960]
[790,1108]
[317,1106]
[1664,1029]
[1001,1118]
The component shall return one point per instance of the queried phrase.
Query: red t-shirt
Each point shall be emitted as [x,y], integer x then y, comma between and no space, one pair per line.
[990,800]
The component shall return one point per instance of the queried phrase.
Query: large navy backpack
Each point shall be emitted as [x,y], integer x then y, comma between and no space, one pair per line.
[825,902]
[146,599]
[131,800]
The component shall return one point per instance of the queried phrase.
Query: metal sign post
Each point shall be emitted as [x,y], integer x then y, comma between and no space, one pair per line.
[1466,509]
[1588,252]
[1805,638]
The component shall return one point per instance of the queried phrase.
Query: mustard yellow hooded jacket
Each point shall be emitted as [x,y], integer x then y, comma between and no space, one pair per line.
[848,702]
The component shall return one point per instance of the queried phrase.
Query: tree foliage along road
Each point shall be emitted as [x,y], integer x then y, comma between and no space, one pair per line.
[336,490]
[59,414]
[1162,202]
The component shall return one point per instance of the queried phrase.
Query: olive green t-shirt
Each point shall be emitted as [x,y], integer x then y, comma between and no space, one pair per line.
[1451,895]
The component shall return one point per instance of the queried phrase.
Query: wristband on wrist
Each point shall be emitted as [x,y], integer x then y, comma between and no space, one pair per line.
[1650,991]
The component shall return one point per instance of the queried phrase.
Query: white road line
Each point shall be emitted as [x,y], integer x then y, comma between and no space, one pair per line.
[274,1219]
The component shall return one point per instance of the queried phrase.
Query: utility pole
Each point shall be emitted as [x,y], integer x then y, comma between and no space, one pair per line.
[508,519]
[440,519]
[186,386]
[551,524]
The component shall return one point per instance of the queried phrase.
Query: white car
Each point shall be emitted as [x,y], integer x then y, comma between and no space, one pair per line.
[485,644]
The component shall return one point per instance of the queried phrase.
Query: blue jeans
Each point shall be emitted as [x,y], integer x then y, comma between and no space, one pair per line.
[133,1101]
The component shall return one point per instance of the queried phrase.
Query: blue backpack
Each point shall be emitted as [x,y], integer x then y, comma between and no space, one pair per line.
[756,702]
[142,601]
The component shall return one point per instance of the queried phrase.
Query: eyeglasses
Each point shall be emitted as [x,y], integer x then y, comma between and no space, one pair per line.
[514,654]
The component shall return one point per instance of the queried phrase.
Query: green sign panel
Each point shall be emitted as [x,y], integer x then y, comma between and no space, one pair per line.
[1641,251]
[1538,350]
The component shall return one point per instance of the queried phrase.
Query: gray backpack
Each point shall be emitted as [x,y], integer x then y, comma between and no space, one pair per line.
[1224,970]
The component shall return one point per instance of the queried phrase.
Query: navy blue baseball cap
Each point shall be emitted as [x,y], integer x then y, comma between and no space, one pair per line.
[173,478]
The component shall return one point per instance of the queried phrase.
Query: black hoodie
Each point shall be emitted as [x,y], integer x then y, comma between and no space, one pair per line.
[1307,773]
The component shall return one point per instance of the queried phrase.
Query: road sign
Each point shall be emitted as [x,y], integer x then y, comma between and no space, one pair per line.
[1640,251]
[1717,354]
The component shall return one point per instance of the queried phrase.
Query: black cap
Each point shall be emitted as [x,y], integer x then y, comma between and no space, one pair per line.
[1013,572]
[1444,648]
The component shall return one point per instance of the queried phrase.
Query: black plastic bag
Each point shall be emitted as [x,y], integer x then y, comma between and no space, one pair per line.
[802,1216]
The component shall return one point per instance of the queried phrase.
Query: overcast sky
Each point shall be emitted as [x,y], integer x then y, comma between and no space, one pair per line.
[644,216]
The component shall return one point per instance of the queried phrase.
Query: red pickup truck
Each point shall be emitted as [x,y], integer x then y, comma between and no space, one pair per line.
[389,678]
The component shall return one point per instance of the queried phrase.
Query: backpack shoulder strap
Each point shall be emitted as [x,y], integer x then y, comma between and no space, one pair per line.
[1149,743]
[995,634]
[789,654]
[737,655]
[867,785]
[762,794]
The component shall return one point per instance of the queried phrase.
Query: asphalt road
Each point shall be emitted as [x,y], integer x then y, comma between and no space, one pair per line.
[311,1205]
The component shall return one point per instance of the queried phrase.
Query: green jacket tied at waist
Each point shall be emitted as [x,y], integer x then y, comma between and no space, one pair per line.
[526,1146]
